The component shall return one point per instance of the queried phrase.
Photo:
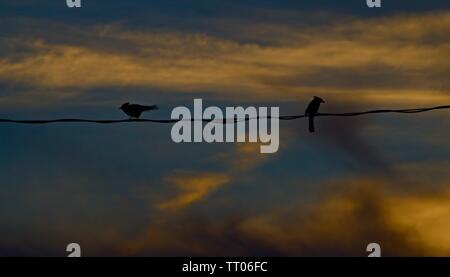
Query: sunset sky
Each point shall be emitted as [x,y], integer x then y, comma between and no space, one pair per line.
[128,190]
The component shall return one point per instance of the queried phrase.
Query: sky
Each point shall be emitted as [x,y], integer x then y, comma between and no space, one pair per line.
[128,190]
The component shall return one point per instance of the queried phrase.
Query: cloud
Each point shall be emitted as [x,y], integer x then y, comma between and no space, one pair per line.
[193,187]
[407,219]
[351,137]
[427,216]
[397,58]
[197,186]
[352,214]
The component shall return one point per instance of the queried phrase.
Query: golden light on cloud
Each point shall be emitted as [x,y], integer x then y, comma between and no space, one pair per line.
[364,211]
[197,186]
[193,187]
[428,216]
[388,59]
[342,222]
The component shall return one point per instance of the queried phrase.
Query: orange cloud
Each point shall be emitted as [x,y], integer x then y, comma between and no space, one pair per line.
[193,187]
[427,216]
[342,222]
[391,59]
[346,216]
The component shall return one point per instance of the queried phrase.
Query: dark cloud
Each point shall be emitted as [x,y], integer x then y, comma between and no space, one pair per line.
[350,136]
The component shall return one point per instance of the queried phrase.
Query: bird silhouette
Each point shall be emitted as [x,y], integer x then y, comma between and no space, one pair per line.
[312,110]
[135,110]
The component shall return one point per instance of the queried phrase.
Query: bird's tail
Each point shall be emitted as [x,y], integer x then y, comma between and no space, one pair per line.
[149,108]
[311,124]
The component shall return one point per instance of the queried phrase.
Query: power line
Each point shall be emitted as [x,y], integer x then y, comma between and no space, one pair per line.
[285,117]
[403,111]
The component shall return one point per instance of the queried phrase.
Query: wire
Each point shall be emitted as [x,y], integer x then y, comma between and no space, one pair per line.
[220,121]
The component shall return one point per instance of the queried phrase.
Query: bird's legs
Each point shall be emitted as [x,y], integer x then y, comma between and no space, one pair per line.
[311,124]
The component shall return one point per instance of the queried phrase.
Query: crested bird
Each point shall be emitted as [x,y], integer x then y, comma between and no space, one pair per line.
[135,110]
[312,110]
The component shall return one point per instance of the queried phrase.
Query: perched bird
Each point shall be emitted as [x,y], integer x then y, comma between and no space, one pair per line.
[312,110]
[135,111]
